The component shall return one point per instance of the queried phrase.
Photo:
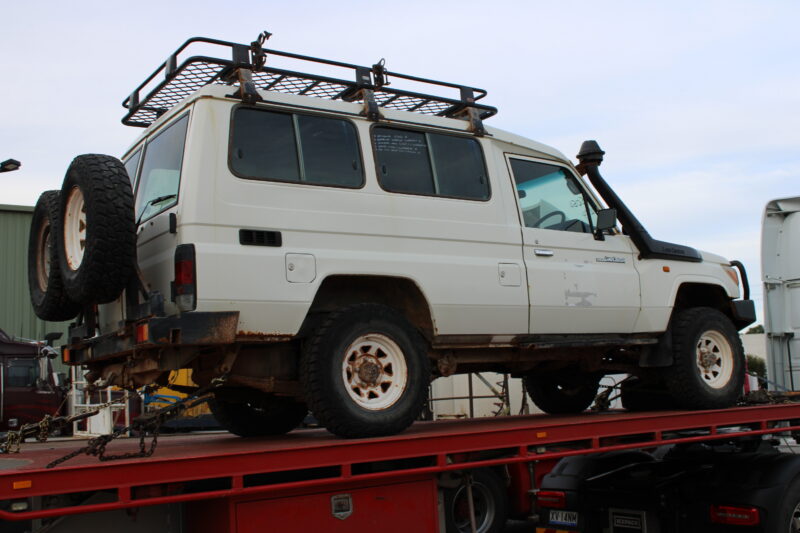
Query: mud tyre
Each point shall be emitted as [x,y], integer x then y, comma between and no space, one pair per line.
[97,242]
[564,392]
[365,372]
[257,415]
[48,296]
[708,360]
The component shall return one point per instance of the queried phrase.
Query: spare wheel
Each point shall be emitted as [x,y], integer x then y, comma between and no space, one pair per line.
[48,297]
[97,244]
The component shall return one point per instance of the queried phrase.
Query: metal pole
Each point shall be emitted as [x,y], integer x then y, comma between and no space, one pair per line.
[470,502]
[471,400]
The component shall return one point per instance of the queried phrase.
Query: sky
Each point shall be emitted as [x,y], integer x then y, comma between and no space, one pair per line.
[696,103]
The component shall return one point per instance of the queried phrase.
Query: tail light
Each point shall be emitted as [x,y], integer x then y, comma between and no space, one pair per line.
[551,498]
[184,288]
[735,516]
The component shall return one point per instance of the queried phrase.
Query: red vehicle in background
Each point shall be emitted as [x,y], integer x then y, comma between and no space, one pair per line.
[29,388]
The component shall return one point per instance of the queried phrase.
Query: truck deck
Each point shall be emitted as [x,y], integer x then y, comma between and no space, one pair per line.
[228,468]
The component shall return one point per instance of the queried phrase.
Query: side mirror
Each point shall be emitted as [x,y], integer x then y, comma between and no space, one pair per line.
[606,220]
[53,336]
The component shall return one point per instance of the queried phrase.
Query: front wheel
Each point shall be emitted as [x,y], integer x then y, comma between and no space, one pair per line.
[708,360]
[365,372]
[562,393]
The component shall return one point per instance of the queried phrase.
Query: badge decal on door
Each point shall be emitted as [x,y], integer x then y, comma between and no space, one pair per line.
[611,259]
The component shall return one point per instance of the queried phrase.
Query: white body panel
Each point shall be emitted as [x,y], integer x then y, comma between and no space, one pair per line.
[473,262]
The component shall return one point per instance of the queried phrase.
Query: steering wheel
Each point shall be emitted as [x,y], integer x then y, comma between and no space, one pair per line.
[538,223]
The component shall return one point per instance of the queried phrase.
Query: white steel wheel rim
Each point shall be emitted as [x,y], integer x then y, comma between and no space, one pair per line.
[374,372]
[714,359]
[74,228]
[43,256]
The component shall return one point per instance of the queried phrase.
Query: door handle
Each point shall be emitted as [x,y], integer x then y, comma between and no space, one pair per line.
[542,252]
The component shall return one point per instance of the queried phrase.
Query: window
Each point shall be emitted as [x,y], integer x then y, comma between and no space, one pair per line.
[132,164]
[160,176]
[296,148]
[430,164]
[22,373]
[552,198]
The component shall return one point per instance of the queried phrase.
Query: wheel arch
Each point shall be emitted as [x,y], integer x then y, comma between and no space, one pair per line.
[405,295]
[690,294]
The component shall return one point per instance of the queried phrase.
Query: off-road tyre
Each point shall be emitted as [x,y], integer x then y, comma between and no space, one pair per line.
[97,242]
[48,296]
[695,332]
[259,415]
[564,392]
[365,336]
[490,501]
[639,395]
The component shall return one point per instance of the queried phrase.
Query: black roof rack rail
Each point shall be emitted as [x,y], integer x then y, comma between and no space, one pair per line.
[246,69]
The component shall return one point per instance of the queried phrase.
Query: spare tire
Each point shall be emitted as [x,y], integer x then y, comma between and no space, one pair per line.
[97,244]
[48,297]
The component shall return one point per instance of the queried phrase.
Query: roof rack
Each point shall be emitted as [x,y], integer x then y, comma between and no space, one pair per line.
[247,70]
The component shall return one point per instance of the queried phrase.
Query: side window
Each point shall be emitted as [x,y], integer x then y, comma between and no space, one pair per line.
[551,197]
[431,164]
[268,145]
[22,373]
[160,176]
[132,164]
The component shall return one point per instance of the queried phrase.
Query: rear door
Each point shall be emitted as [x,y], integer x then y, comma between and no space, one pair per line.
[577,284]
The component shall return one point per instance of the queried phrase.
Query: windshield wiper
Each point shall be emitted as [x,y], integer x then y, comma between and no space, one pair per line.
[154,201]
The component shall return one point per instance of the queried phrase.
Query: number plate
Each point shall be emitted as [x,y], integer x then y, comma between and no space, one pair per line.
[563,518]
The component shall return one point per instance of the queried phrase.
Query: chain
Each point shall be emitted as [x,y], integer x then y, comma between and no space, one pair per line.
[150,422]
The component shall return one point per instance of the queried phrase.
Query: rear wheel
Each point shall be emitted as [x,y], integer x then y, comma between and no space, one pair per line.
[708,360]
[564,392]
[489,502]
[48,296]
[257,414]
[365,372]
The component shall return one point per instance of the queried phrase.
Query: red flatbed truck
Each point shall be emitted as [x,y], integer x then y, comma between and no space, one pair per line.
[310,480]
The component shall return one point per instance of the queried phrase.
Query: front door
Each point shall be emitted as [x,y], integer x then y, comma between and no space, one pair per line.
[577,284]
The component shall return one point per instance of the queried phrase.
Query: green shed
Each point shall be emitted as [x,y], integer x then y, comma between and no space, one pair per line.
[17,318]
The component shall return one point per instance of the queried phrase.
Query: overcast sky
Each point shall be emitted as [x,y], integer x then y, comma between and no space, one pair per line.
[697,104]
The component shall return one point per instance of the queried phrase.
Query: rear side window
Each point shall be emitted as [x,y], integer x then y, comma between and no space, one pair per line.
[160,176]
[268,145]
[430,164]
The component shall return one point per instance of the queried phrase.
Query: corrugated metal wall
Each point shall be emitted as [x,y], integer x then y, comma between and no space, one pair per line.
[16,314]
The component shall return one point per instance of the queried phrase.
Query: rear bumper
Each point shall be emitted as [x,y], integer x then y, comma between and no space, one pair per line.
[189,329]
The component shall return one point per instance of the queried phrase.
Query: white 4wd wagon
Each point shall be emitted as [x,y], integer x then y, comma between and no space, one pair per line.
[304,241]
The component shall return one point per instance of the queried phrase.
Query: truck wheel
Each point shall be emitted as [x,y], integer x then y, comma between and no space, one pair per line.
[97,242]
[263,414]
[708,360]
[48,297]
[365,372]
[488,499]
[638,395]
[564,392]
[790,508]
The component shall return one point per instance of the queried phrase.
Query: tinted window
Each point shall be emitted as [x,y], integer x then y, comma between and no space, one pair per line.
[298,148]
[264,146]
[404,164]
[459,167]
[430,164]
[161,170]
[22,373]
[330,151]
[551,197]
[132,164]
